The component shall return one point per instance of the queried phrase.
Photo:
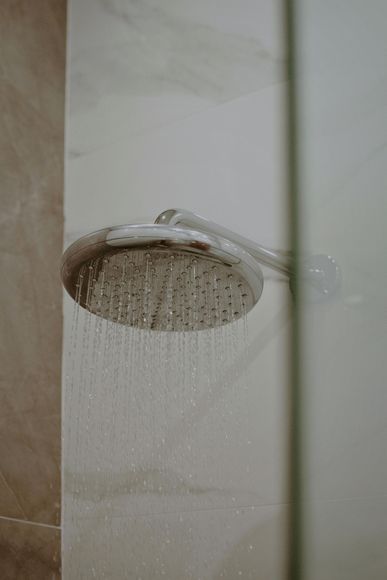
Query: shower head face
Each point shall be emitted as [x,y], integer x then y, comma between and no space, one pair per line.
[161,278]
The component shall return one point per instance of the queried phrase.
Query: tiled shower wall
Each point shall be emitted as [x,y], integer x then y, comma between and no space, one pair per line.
[180,104]
[32,135]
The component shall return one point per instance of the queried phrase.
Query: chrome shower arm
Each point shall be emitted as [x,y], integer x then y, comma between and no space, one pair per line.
[320,271]
[273,259]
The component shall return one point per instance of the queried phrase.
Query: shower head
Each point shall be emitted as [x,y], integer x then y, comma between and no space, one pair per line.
[161,277]
[180,273]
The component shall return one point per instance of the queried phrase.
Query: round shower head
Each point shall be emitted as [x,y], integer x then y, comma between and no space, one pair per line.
[161,277]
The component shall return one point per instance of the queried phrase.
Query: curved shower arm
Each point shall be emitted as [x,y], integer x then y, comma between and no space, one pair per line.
[275,260]
[321,271]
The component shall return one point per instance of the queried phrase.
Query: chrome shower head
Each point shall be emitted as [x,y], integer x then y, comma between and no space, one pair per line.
[162,277]
[180,273]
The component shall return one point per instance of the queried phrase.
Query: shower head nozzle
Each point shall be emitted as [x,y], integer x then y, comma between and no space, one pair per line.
[162,277]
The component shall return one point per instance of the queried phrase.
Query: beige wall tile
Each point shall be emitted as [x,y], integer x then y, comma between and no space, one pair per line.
[31,196]
[29,551]
[8,500]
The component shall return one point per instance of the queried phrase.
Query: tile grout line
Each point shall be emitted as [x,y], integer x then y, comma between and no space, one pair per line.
[39,524]
[250,507]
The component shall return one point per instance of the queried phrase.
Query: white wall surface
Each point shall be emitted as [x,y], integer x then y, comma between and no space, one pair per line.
[342,52]
[179,103]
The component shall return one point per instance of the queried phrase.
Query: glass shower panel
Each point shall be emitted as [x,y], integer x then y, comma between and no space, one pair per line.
[341,90]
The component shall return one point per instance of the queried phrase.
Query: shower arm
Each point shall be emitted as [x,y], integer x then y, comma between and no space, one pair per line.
[321,271]
[275,260]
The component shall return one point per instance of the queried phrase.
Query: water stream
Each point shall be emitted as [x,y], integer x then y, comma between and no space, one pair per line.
[138,407]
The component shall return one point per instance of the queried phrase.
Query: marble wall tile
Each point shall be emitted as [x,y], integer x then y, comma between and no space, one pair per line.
[29,551]
[31,182]
[210,544]
[343,174]
[344,206]
[136,66]
[348,540]
[9,502]
[179,103]
[30,463]
[226,163]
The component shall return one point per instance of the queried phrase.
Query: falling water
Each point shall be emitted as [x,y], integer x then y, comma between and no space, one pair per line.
[140,402]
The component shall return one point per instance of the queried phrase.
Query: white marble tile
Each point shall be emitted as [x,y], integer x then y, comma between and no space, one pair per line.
[135,66]
[343,128]
[215,544]
[346,540]
[226,164]
[342,103]
[345,429]
[179,104]
[342,138]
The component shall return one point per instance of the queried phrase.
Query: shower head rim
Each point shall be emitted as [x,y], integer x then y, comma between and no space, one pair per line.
[179,238]
[123,236]
[163,237]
